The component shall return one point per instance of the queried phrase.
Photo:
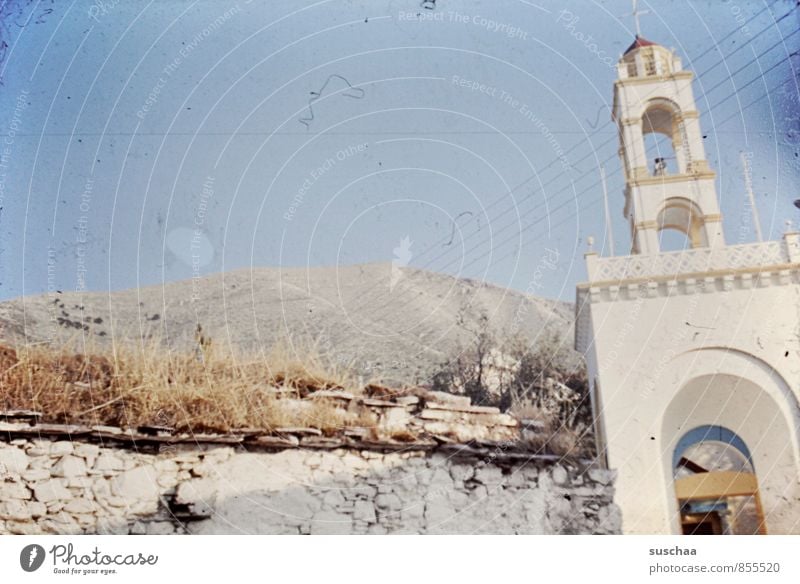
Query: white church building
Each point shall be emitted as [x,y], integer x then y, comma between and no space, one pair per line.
[693,355]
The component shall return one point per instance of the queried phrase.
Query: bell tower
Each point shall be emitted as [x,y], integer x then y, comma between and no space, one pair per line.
[693,356]
[653,95]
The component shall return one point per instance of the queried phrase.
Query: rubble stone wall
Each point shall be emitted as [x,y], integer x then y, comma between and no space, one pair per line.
[72,487]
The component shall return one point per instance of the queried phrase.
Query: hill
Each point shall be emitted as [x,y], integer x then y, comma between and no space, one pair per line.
[393,323]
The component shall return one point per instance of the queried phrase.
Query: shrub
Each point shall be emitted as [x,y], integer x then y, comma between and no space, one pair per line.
[542,382]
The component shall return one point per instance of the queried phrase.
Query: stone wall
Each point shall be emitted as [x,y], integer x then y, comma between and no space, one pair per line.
[66,487]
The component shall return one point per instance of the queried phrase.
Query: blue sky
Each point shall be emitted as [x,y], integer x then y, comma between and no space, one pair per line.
[145,142]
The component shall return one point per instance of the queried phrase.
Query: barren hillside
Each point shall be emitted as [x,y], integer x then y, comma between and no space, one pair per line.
[396,324]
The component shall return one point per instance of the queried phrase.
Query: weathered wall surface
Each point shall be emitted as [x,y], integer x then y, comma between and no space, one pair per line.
[77,487]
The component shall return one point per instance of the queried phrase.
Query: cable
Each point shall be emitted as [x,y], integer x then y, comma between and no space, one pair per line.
[568,201]
[699,76]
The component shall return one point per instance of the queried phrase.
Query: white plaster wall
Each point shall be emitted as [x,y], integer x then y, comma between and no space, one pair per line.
[73,488]
[646,354]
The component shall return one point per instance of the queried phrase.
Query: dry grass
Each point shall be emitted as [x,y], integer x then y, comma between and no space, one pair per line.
[527,410]
[553,435]
[568,442]
[211,391]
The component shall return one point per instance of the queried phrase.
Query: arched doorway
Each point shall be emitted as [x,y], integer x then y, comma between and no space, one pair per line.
[733,390]
[716,485]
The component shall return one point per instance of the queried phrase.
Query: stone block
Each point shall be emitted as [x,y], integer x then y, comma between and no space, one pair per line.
[559,474]
[442,397]
[394,419]
[437,415]
[504,420]
[61,448]
[14,491]
[69,466]
[100,488]
[80,506]
[86,521]
[12,459]
[364,511]
[388,503]
[15,509]
[602,476]
[37,509]
[206,468]
[56,506]
[489,475]
[194,491]
[333,498]
[36,474]
[609,520]
[85,450]
[107,462]
[461,472]
[137,483]
[112,526]
[218,454]
[50,490]
[23,528]
[460,432]
[81,482]
[167,480]
[166,466]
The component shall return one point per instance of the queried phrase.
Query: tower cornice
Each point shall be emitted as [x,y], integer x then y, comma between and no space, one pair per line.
[671,178]
[653,78]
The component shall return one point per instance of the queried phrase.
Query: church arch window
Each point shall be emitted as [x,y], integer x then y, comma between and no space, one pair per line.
[683,216]
[663,136]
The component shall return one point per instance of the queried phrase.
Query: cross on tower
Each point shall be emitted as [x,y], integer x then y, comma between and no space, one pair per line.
[636,14]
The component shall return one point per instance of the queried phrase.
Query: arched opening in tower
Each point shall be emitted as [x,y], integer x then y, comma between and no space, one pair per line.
[716,484]
[663,138]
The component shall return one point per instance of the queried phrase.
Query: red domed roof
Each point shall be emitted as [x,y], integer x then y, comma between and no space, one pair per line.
[638,43]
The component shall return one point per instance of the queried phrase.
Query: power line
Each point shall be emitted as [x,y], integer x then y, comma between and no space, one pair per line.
[597,200]
[566,202]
